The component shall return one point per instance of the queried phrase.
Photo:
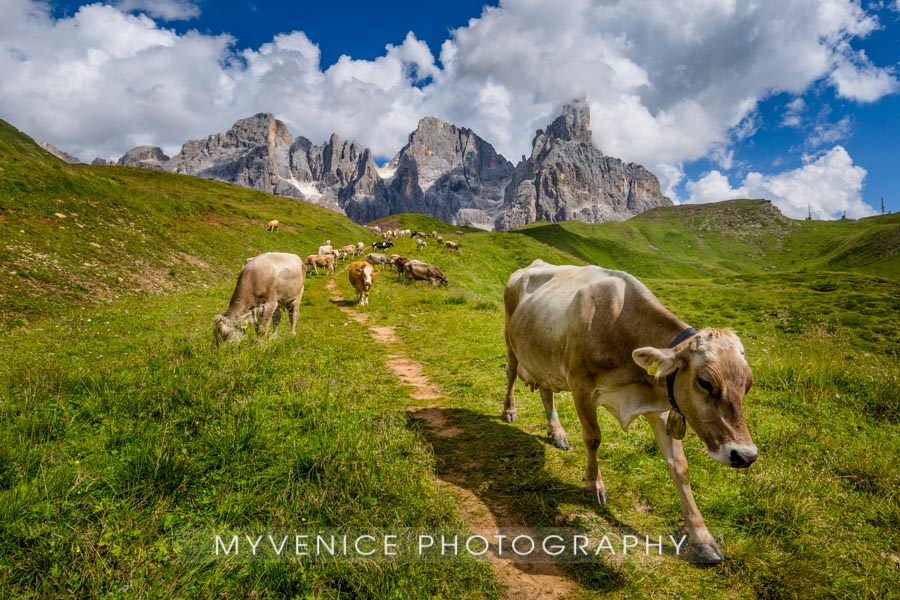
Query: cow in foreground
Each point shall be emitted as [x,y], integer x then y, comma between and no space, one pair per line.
[418,271]
[268,282]
[362,276]
[604,336]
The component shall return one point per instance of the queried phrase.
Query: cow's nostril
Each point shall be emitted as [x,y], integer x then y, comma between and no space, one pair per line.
[739,461]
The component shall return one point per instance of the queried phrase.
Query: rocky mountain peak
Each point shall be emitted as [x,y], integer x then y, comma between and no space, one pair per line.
[574,124]
[145,157]
[60,154]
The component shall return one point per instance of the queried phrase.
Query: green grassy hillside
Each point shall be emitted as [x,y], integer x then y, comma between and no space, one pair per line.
[125,433]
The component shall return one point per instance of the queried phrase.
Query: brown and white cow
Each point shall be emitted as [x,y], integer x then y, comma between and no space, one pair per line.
[362,276]
[273,225]
[267,282]
[414,270]
[325,261]
[604,336]
[348,250]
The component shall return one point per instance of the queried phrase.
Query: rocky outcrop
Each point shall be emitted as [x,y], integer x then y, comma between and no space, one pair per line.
[568,179]
[61,155]
[145,157]
[450,173]
[444,171]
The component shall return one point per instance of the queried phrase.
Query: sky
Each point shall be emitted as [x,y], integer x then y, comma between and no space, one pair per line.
[797,101]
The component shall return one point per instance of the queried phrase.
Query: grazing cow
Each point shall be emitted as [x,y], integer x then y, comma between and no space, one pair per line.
[604,336]
[382,245]
[452,245]
[321,260]
[440,239]
[460,232]
[401,261]
[375,258]
[267,282]
[415,270]
[362,276]
[420,243]
[360,247]
[348,250]
[273,226]
[325,248]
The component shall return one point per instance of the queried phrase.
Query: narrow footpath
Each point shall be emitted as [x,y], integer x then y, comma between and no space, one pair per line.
[522,579]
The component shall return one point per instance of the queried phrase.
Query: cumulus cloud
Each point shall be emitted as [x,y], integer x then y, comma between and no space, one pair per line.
[828,185]
[856,78]
[668,83]
[166,10]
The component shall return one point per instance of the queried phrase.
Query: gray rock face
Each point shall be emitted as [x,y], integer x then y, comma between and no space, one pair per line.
[567,178]
[61,155]
[449,173]
[444,171]
[145,157]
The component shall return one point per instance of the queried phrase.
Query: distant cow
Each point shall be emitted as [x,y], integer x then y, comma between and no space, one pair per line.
[452,245]
[376,258]
[382,245]
[325,261]
[605,337]
[420,243]
[360,247]
[325,248]
[273,226]
[267,282]
[415,270]
[362,276]
[348,250]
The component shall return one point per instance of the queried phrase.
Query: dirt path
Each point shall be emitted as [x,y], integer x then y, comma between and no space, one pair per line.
[522,579]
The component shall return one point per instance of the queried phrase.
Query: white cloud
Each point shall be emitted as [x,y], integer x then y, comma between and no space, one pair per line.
[825,134]
[793,116]
[828,185]
[856,78]
[668,82]
[167,10]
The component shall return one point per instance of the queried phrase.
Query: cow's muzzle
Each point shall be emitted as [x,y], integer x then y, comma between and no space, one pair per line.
[734,455]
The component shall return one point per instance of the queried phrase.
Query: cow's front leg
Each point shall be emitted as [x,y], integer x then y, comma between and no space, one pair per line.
[590,433]
[269,309]
[702,543]
[554,428]
[509,404]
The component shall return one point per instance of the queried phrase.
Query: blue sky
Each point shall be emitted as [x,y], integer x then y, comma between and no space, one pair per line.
[796,101]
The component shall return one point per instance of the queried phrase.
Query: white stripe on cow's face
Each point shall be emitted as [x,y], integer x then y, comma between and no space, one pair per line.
[367,274]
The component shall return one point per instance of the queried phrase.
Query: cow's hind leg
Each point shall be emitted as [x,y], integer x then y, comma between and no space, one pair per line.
[509,404]
[554,428]
[702,543]
[590,433]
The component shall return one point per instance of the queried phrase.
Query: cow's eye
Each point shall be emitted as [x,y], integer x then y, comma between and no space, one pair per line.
[705,384]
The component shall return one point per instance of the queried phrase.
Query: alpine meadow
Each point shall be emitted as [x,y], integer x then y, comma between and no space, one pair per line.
[127,435]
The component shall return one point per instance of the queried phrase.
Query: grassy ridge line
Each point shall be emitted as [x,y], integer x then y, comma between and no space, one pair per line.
[728,238]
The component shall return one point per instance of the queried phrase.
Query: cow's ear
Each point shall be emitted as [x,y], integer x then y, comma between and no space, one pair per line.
[658,362]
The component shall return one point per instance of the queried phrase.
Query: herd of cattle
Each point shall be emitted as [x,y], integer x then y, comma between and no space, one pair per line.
[597,333]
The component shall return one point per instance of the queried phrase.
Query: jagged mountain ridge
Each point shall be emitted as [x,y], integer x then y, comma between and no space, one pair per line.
[444,171]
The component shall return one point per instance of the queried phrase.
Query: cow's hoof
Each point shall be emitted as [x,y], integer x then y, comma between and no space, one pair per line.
[598,496]
[510,416]
[562,444]
[705,554]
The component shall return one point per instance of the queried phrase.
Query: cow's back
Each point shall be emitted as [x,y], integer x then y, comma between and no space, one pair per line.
[274,273]
[563,318]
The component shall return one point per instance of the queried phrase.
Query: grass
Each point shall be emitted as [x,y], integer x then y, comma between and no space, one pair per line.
[124,431]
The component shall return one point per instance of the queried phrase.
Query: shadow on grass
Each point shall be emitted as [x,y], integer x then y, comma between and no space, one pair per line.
[503,467]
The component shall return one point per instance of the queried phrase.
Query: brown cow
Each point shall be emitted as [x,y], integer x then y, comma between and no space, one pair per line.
[452,245]
[415,270]
[348,250]
[605,337]
[273,226]
[266,282]
[321,260]
[362,276]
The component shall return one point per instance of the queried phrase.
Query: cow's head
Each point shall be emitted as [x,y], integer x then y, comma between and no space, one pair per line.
[228,328]
[711,381]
